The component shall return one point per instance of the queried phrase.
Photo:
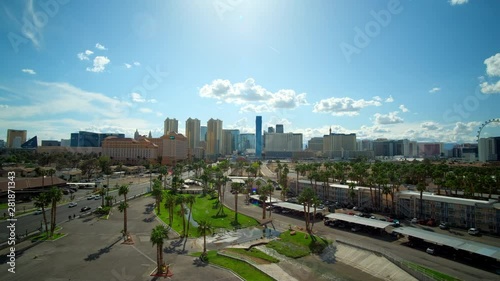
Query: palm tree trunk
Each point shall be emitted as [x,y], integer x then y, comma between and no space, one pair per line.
[45,221]
[236,207]
[125,218]
[158,259]
[189,219]
[204,242]
[263,209]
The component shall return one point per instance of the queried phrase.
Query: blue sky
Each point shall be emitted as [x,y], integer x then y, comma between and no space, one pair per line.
[424,70]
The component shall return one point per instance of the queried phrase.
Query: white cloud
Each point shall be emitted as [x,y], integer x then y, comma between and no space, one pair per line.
[85,55]
[29,71]
[391,118]
[389,99]
[51,99]
[136,63]
[34,32]
[430,126]
[458,2]
[100,47]
[403,108]
[252,97]
[100,63]
[257,108]
[136,97]
[487,88]
[145,110]
[434,90]
[493,65]
[127,65]
[343,106]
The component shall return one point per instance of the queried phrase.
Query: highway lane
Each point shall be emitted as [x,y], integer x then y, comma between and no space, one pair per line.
[30,222]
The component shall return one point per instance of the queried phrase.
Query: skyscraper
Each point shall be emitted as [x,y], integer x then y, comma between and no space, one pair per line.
[193,133]
[258,136]
[214,137]
[279,129]
[170,125]
[203,133]
[15,138]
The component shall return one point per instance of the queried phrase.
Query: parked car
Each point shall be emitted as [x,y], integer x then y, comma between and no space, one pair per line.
[37,212]
[90,197]
[414,220]
[72,204]
[355,228]
[84,209]
[431,251]
[444,225]
[474,231]
[97,197]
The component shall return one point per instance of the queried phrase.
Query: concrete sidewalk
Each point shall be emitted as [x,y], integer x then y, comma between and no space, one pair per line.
[270,269]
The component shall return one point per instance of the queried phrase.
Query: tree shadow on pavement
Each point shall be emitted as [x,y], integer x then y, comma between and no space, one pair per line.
[175,247]
[105,250]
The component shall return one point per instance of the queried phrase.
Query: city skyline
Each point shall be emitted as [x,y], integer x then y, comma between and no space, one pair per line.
[381,69]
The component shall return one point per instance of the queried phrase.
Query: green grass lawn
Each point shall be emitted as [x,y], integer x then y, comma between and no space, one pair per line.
[296,246]
[436,275]
[43,236]
[241,268]
[203,210]
[256,253]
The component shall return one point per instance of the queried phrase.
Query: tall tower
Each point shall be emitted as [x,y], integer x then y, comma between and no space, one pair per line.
[214,137]
[258,136]
[193,133]
[279,129]
[170,125]
[15,138]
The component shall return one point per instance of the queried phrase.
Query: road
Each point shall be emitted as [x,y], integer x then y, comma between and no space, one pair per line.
[380,243]
[30,222]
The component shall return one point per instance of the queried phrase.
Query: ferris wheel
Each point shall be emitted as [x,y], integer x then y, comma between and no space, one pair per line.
[497,120]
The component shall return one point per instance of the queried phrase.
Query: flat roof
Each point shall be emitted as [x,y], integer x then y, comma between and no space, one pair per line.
[295,207]
[359,220]
[457,243]
[440,198]
[238,181]
[273,199]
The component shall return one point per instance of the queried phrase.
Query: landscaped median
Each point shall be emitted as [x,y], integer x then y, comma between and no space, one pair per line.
[241,268]
[295,244]
[204,209]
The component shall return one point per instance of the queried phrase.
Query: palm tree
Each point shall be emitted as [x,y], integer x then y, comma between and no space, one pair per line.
[169,205]
[102,193]
[51,172]
[204,228]
[42,201]
[236,189]
[55,195]
[263,198]
[163,172]
[179,200]
[108,200]
[189,200]
[421,188]
[123,190]
[299,169]
[158,235]
[269,188]
[157,194]
[308,199]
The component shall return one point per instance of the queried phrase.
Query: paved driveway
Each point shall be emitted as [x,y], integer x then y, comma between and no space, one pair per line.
[93,250]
